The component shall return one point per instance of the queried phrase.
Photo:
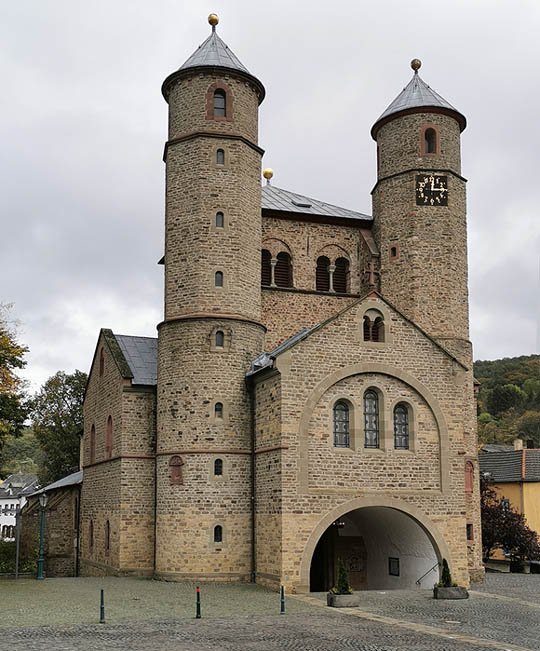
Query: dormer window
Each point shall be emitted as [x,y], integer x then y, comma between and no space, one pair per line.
[219,103]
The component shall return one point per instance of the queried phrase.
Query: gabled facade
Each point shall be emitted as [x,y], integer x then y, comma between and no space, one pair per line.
[206,457]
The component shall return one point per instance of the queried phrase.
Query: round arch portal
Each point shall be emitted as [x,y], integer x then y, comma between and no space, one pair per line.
[384,542]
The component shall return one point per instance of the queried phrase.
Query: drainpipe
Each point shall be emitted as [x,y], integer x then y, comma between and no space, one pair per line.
[78,538]
[155,484]
[251,391]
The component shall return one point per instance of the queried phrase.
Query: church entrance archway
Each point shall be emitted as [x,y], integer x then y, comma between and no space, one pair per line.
[383,548]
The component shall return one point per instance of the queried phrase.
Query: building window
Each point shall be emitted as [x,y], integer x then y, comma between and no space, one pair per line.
[107,536]
[470,532]
[401,427]
[220,103]
[218,533]
[220,157]
[322,274]
[373,326]
[218,467]
[220,220]
[393,566]
[341,425]
[394,252]
[109,438]
[175,467]
[218,410]
[341,276]
[430,141]
[283,270]
[266,268]
[91,535]
[218,279]
[101,363]
[92,444]
[505,505]
[469,477]
[371,419]
[220,339]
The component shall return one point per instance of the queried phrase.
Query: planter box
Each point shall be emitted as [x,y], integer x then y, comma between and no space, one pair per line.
[456,592]
[342,600]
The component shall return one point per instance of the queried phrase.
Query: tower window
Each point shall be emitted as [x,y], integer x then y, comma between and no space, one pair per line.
[220,157]
[401,427]
[283,270]
[341,276]
[220,220]
[218,467]
[266,268]
[220,103]
[109,438]
[107,536]
[218,533]
[470,531]
[394,252]
[341,425]
[218,410]
[430,141]
[92,444]
[91,535]
[218,279]
[220,339]
[322,274]
[371,419]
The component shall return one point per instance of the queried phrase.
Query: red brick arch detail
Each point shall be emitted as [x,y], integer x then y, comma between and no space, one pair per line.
[229,102]
[423,130]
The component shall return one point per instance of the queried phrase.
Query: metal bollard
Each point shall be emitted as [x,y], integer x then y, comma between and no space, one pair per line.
[198,615]
[102,609]
[282,610]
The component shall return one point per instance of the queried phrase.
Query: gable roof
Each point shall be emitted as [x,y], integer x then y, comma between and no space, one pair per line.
[18,484]
[274,198]
[511,465]
[266,360]
[140,354]
[71,480]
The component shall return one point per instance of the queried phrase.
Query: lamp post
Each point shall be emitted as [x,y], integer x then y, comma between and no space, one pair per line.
[43,499]
[18,535]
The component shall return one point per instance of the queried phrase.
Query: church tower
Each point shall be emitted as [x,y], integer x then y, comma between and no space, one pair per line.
[419,211]
[211,328]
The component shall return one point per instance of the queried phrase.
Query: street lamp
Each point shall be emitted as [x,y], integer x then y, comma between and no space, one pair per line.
[43,499]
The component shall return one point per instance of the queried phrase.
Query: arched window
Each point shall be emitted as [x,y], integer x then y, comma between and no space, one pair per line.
[341,425]
[218,467]
[220,220]
[283,270]
[371,419]
[220,103]
[92,444]
[430,141]
[91,535]
[322,275]
[401,427]
[218,279]
[175,466]
[373,326]
[109,438]
[107,536]
[218,533]
[266,268]
[341,276]
[220,339]
[4,531]
[220,157]
[218,410]
[469,477]
[101,362]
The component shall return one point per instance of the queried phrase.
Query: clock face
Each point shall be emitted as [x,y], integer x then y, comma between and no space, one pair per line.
[431,190]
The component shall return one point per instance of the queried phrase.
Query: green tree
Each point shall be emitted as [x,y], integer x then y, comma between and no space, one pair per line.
[505,397]
[528,427]
[57,421]
[13,408]
[21,454]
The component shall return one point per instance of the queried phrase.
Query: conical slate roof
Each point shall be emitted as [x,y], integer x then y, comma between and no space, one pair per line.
[214,52]
[417,95]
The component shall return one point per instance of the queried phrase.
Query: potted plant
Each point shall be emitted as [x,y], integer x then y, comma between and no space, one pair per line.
[446,588]
[341,595]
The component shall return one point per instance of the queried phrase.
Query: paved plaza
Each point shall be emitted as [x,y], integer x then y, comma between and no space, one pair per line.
[62,614]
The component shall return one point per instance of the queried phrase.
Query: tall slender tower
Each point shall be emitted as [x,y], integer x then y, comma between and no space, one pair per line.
[211,329]
[419,211]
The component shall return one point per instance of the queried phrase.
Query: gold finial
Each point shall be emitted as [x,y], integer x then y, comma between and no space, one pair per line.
[213,20]
[416,64]
[268,173]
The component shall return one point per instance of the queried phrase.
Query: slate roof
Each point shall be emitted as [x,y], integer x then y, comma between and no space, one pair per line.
[141,355]
[495,447]
[274,198]
[71,480]
[18,484]
[417,94]
[216,53]
[511,465]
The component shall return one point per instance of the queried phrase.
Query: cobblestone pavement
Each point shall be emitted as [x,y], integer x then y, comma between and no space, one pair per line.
[501,614]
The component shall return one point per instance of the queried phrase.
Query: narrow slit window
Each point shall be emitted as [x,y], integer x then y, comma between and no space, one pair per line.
[371,419]
[220,157]
[220,339]
[220,103]
[91,535]
[218,410]
[107,536]
[401,427]
[92,444]
[218,467]
[430,141]
[109,438]
[218,533]
[220,220]
[218,279]
[341,425]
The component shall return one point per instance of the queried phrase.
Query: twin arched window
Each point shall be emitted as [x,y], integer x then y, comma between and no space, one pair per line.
[330,278]
[276,273]
[373,327]
[220,103]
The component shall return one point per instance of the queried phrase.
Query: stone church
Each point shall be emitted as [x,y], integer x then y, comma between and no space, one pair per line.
[309,395]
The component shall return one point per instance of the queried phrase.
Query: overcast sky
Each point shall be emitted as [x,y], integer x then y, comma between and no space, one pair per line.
[84,123]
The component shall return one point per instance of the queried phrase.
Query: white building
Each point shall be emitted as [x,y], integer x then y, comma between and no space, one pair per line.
[13,493]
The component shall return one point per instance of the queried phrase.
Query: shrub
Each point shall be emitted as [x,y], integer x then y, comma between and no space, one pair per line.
[343,585]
